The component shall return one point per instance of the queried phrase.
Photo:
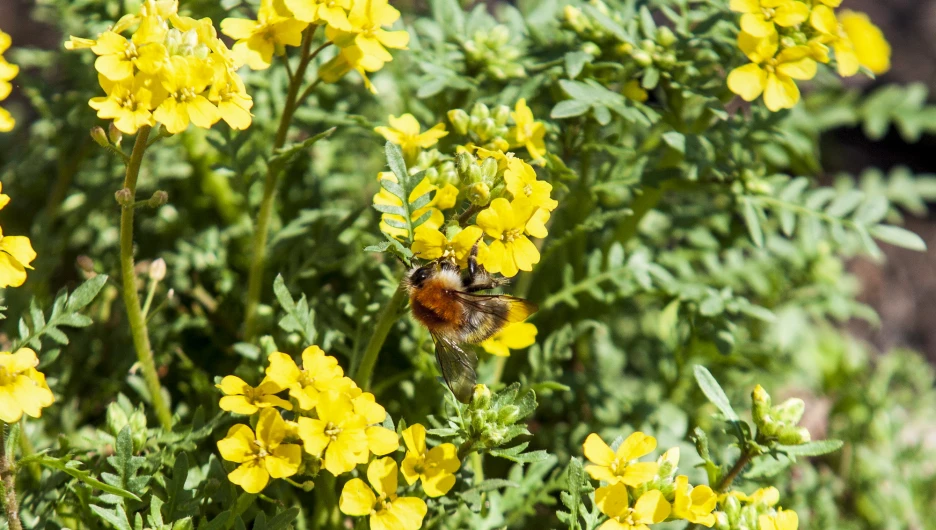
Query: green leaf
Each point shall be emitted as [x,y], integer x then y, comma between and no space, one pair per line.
[575,61]
[569,108]
[85,293]
[117,517]
[752,220]
[282,294]
[898,236]
[713,391]
[816,448]
[71,468]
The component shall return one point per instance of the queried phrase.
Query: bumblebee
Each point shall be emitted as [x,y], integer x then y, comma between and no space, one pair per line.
[445,300]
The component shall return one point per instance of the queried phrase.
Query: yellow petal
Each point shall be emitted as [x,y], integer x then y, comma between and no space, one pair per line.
[597,451]
[744,6]
[612,500]
[367,406]
[271,429]
[791,14]
[747,81]
[409,511]
[12,272]
[23,360]
[238,445]
[10,410]
[780,93]
[233,385]
[651,507]
[758,49]
[356,498]
[382,441]
[414,437]
[251,476]
[823,20]
[408,467]
[237,405]
[872,48]
[284,461]
[756,25]
[804,68]
[312,433]
[439,484]
[238,28]
[382,475]
[282,369]
[639,473]
[20,248]
[635,446]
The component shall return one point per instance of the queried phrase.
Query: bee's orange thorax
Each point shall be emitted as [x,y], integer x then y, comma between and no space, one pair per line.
[435,307]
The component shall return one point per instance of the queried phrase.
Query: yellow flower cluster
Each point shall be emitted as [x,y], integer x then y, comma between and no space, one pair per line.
[23,389]
[16,253]
[761,506]
[7,73]
[173,70]
[636,494]
[785,39]
[355,26]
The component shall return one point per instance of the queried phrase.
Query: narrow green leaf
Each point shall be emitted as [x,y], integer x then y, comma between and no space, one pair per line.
[713,391]
[86,292]
[898,236]
[282,294]
[816,448]
[752,220]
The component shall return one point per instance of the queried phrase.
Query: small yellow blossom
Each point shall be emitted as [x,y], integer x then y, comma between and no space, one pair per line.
[319,373]
[768,496]
[509,223]
[782,520]
[871,47]
[258,40]
[694,503]
[769,75]
[129,102]
[824,21]
[759,16]
[16,254]
[117,55]
[435,467]
[404,131]
[620,466]
[516,336]
[185,103]
[380,440]
[430,243]
[334,13]
[614,502]
[230,95]
[7,73]
[386,510]
[261,456]
[241,398]
[23,389]
[521,182]
[527,132]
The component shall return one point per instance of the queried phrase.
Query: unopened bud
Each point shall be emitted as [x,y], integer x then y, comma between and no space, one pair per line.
[114,134]
[665,37]
[474,174]
[116,418]
[732,509]
[124,197]
[501,115]
[509,415]
[492,437]
[486,127]
[157,270]
[308,486]
[668,462]
[480,397]
[138,429]
[479,194]
[793,435]
[591,49]
[489,169]
[761,400]
[158,199]
[99,136]
[790,411]
[447,173]
[463,163]
[432,174]
[459,120]
[642,58]
[480,111]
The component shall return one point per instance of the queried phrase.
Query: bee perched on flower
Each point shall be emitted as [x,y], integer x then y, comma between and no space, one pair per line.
[172,70]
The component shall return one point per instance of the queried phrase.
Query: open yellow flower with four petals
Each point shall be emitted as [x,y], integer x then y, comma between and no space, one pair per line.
[761,17]
[620,466]
[260,456]
[435,467]
[614,502]
[386,510]
[23,389]
[769,75]
[241,398]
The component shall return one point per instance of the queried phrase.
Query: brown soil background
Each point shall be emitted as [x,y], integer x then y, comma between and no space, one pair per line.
[903,289]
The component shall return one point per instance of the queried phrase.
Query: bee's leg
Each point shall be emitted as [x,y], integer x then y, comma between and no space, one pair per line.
[479,279]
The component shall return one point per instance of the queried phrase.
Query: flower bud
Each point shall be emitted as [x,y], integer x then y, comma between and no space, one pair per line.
[157,270]
[138,429]
[474,174]
[114,134]
[665,37]
[492,437]
[790,411]
[480,111]
[501,115]
[464,163]
[732,510]
[459,120]
[480,397]
[668,462]
[124,197]
[116,418]
[642,58]
[99,136]
[432,174]
[791,435]
[486,128]
[721,521]
[479,194]
[489,169]
[158,199]
[448,174]
[508,415]
[761,408]
[624,48]
[648,46]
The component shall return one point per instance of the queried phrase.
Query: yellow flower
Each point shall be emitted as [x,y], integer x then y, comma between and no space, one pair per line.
[394,225]
[509,223]
[613,501]
[514,336]
[521,182]
[527,132]
[334,13]
[261,456]
[185,80]
[129,102]
[634,91]
[404,131]
[620,466]
[782,520]
[435,467]
[430,243]
[386,510]
[772,76]
[760,15]
[241,398]
[16,253]
[230,95]
[768,496]
[694,504]
[319,373]
[831,32]
[257,40]
[341,434]
[118,55]
[871,47]
[7,73]
[365,44]
[23,389]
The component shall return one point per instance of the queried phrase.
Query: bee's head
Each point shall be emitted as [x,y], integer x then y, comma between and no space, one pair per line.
[419,275]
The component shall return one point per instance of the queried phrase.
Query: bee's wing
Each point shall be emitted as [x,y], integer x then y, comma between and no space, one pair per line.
[458,367]
[489,313]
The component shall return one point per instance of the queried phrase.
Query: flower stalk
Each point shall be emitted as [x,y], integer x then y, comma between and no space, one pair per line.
[141,342]
[265,214]
[388,317]
[8,479]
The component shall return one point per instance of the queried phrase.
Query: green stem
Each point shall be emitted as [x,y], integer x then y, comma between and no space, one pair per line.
[262,225]
[388,317]
[499,364]
[725,482]
[138,329]
[8,477]
[149,298]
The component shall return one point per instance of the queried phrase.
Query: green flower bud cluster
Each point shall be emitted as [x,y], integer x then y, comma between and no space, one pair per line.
[493,52]
[483,178]
[120,415]
[440,169]
[779,422]
[490,420]
[654,53]
[485,127]
[741,512]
